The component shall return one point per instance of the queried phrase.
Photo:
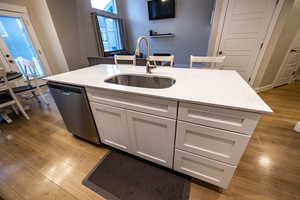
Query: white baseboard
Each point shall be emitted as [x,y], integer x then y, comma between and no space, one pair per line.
[264,88]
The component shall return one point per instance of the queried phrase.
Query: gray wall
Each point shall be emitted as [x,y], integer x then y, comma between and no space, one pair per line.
[64,16]
[87,38]
[75,29]
[191,27]
[74,26]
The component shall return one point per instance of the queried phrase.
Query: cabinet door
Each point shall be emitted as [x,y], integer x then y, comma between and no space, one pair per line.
[112,126]
[152,137]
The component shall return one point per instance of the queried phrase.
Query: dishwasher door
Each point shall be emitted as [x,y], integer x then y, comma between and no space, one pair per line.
[75,110]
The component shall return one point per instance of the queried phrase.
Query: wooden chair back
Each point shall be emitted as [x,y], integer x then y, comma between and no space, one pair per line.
[206,59]
[125,58]
[169,59]
[28,69]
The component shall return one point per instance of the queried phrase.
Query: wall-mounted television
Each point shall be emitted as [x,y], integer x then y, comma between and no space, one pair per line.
[161,9]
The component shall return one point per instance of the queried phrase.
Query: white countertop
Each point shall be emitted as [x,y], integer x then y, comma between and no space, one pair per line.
[220,88]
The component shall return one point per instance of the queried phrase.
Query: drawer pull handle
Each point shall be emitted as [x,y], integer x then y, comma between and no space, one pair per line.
[200,174]
[215,118]
[133,104]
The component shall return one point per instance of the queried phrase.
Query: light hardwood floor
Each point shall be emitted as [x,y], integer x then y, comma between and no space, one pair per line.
[40,160]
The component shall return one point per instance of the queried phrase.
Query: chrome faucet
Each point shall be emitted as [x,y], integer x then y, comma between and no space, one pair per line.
[138,52]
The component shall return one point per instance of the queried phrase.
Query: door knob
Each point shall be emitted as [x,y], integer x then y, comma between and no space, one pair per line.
[220,52]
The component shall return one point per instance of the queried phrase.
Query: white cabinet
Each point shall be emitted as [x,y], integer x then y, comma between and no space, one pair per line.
[112,126]
[205,169]
[221,145]
[147,136]
[209,140]
[152,137]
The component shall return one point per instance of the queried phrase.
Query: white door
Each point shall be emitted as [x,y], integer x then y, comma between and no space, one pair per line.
[112,126]
[18,39]
[152,137]
[245,27]
[287,72]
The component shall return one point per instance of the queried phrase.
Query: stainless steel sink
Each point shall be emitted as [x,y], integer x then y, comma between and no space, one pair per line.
[143,81]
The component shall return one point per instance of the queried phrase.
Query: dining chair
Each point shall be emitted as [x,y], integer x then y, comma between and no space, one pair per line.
[29,71]
[125,58]
[207,59]
[8,97]
[168,59]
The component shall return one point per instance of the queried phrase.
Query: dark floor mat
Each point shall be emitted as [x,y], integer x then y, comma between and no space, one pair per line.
[119,176]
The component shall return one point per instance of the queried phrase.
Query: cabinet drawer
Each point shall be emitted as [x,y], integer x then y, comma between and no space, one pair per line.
[152,137]
[202,168]
[155,106]
[221,145]
[233,120]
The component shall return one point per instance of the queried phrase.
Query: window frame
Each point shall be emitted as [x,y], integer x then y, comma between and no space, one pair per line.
[100,46]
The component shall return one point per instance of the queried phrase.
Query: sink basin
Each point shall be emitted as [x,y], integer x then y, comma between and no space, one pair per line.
[143,81]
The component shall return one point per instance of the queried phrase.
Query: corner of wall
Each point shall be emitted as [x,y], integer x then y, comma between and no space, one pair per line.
[46,32]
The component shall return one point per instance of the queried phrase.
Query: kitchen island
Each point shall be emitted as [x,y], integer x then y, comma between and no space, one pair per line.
[199,126]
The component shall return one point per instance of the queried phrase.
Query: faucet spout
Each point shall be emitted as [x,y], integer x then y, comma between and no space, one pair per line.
[138,45]
[138,51]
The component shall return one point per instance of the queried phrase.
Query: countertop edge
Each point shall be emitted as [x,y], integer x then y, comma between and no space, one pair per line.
[167,98]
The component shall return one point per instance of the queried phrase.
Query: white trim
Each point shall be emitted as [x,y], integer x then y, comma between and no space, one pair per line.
[221,19]
[267,40]
[264,88]
[284,61]
[12,8]
[218,18]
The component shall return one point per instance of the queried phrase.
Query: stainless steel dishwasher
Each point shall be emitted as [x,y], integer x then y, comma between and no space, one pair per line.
[73,105]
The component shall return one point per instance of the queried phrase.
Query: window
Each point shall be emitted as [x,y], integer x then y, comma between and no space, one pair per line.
[110,33]
[105,5]
[108,27]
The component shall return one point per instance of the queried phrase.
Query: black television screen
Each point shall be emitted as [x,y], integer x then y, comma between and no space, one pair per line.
[161,9]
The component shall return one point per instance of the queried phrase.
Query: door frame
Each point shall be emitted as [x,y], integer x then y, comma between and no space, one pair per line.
[282,65]
[21,11]
[218,20]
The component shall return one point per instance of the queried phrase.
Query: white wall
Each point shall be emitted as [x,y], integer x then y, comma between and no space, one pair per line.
[191,27]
